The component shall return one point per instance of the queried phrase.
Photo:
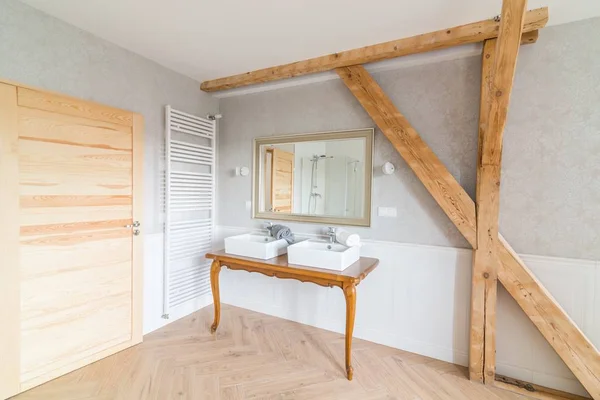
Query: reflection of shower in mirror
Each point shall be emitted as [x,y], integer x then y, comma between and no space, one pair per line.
[352,190]
[314,184]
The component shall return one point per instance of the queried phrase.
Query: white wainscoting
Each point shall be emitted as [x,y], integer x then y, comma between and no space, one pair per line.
[418,300]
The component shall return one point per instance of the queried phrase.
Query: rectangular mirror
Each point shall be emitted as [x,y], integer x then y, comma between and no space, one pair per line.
[320,177]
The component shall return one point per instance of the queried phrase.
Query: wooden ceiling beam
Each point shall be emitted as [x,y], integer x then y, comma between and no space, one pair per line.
[530,37]
[573,347]
[464,34]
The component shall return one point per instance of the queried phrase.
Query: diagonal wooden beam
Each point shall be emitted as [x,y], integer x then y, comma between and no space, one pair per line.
[578,353]
[470,33]
[453,199]
[498,69]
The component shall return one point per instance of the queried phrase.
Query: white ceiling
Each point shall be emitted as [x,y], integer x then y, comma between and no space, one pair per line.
[209,39]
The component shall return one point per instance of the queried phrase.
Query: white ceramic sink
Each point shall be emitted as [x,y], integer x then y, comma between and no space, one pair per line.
[256,246]
[322,254]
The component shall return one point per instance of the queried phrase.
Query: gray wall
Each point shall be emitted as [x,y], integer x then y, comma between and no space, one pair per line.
[550,203]
[39,50]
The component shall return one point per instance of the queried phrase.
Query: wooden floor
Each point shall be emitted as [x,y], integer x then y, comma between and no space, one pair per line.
[255,356]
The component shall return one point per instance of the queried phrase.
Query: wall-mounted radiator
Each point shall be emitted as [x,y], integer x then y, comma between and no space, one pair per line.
[189,207]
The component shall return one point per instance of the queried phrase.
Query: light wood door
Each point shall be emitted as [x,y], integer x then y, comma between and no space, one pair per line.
[77,262]
[282,181]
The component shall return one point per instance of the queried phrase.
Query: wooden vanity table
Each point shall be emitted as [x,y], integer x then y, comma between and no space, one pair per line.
[347,280]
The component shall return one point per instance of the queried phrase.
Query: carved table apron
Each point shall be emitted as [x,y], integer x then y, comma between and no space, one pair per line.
[347,280]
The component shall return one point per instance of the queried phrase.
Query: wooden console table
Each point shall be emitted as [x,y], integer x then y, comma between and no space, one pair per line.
[279,267]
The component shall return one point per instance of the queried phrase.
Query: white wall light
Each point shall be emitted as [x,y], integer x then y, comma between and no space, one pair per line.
[388,168]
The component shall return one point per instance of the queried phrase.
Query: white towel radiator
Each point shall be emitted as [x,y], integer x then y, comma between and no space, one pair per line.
[189,207]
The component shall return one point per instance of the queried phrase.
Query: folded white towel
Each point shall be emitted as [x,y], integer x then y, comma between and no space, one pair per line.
[346,238]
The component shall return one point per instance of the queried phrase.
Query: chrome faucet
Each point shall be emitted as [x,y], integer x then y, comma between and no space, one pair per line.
[331,234]
[269,227]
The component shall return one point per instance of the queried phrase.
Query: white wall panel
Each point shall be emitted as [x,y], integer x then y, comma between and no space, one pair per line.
[418,300]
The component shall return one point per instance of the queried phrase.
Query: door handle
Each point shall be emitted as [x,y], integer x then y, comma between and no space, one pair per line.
[136,224]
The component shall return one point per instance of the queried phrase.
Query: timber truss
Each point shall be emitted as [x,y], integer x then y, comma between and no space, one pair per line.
[493,258]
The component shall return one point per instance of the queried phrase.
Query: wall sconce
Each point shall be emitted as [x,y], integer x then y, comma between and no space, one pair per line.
[388,168]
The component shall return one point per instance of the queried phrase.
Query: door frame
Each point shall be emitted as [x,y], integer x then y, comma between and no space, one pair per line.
[274,152]
[10,296]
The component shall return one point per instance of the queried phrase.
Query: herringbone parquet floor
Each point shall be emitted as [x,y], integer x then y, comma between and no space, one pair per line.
[255,356]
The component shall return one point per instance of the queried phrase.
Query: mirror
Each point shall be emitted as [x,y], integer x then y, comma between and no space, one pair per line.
[319,177]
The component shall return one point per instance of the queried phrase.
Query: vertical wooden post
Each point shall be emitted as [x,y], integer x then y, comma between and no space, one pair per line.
[483,289]
[498,70]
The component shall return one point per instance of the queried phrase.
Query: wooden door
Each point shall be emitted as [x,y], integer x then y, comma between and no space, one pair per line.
[72,182]
[282,181]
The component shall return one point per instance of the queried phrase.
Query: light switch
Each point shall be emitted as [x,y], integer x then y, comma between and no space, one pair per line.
[248,205]
[387,212]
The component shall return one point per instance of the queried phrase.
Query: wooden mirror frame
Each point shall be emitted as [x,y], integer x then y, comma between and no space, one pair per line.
[367,134]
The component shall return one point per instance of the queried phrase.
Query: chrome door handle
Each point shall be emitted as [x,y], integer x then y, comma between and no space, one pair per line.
[135,224]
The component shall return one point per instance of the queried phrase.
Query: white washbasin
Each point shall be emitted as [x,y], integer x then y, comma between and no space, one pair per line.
[256,246]
[322,254]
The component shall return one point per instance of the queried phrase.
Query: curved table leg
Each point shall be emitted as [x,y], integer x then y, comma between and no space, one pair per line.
[215,268]
[350,295]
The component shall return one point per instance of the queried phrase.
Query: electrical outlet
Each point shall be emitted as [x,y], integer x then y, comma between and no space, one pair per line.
[390,212]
